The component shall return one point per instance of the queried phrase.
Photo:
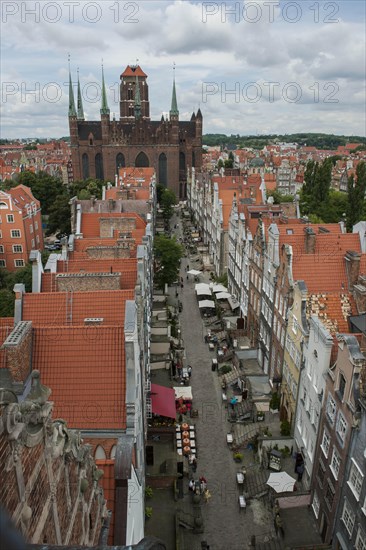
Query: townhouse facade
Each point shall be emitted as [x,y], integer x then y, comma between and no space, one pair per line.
[338,432]
[20,227]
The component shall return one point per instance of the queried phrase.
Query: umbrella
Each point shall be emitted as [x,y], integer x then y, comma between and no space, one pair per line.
[281,482]
[194,272]
[219,288]
[222,295]
[203,292]
[202,285]
[206,303]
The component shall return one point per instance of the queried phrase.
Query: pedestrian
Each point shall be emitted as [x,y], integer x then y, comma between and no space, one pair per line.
[194,465]
[191,485]
[300,471]
[207,495]
[187,277]
[181,286]
[189,369]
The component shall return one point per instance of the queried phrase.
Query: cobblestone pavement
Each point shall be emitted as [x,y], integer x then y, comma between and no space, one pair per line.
[225,525]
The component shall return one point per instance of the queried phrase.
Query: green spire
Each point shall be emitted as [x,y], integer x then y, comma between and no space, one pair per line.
[137,100]
[80,102]
[174,107]
[72,110]
[105,109]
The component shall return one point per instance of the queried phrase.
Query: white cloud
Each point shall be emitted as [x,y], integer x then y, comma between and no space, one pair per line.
[228,51]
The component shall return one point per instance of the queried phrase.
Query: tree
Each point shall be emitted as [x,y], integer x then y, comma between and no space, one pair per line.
[7,298]
[168,199]
[278,197]
[59,220]
[229,163]
[356,195]
[168,253]
[159,192]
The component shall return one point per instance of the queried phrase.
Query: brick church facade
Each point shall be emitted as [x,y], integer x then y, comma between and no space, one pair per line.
[100,148]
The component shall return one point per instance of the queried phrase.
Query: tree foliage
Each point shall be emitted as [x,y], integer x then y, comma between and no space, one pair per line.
[59,220]
[279,197]
[7,281]
[168,200]
[168,253]
[356,196]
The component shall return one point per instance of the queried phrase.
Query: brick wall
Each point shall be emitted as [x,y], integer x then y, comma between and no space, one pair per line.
[82,282]
[18,351]
[110,252]
[108,225]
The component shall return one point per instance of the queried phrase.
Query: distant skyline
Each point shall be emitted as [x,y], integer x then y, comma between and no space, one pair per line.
[253,67]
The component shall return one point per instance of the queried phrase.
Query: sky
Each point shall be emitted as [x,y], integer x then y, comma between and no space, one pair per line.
[253,67]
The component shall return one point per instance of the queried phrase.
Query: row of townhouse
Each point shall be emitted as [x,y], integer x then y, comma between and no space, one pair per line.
[302,291]
[86,328]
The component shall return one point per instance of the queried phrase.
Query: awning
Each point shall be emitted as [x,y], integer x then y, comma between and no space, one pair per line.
[206,303]
[219,288]
[262,406]
[203,292]
[202,285]
[194,272]
[222,295]
[184,392]
[163,401]
[233,302]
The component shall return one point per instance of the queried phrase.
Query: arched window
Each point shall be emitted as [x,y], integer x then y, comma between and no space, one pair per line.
[3,206]
[120,162]
[100,453]
[163,172]
[91,139]
[182,162]
[113,452]
[85,166]
[142,161]
[99,172]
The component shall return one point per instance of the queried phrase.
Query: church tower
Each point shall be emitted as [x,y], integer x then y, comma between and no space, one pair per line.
[134,89]
[73,119]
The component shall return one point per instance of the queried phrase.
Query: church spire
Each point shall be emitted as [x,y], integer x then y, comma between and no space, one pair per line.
[80,102]
[174,107]
[72,110]
[105,109]
[137,100]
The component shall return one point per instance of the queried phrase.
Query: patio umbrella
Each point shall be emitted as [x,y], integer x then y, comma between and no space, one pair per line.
[219,288]
[206,303]
[222,295]
[194,272]
[281,482]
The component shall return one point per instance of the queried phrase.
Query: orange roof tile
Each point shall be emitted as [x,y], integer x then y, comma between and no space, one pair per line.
[132,70]
[90,224]
[85,367]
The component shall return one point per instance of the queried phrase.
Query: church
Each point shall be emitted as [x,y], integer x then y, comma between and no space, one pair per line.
[100,148]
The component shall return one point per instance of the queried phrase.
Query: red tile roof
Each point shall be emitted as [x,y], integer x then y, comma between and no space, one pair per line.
[90,222]
[85,367]
[58,309]
[333,310]
[132,70]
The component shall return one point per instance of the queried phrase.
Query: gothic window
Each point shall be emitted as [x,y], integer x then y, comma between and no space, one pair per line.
[91,139]
[120,161]
[100,453]
[85,166]
[131,111]
[142,161]
[163,175]
[182,162]
[99,172]
[130,93]
[193,159]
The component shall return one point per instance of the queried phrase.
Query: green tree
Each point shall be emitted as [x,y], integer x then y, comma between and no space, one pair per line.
[356,196]
[279,197]
[7,298]
[24,276]
[159,192]
[168,253]
[168,200]
[220,164]
[229,163]
[59,220]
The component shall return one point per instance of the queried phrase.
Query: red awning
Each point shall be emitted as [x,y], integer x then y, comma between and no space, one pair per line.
[163,401]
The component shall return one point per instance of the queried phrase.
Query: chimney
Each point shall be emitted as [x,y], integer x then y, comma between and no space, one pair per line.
[103,192]
[18,351]
[37,270]
[19,290]
[310,240]
[352,267]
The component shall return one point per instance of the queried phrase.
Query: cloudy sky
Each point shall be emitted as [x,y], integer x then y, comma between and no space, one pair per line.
[254,67]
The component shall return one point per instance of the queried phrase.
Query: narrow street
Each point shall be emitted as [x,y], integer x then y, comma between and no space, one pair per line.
[225,525]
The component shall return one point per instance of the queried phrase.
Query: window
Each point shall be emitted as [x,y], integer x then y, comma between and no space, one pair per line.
[295,325]
[17,248]
[19,263]
[348,517]
[325,443]
[360,543]
[2,263]
[15,233]
[31,228]
[36,225]
[32,243]
[341,427]
[331,409]
[37,239]
[335,463]
[355,479]
[341,386]
[321,473]
[10,218]
[1,249]
[329,495]
[316,504]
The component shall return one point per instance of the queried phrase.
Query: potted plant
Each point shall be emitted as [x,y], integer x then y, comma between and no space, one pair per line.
[148,512]
[238,457]
[285,428]
[148,491]
[274,404]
